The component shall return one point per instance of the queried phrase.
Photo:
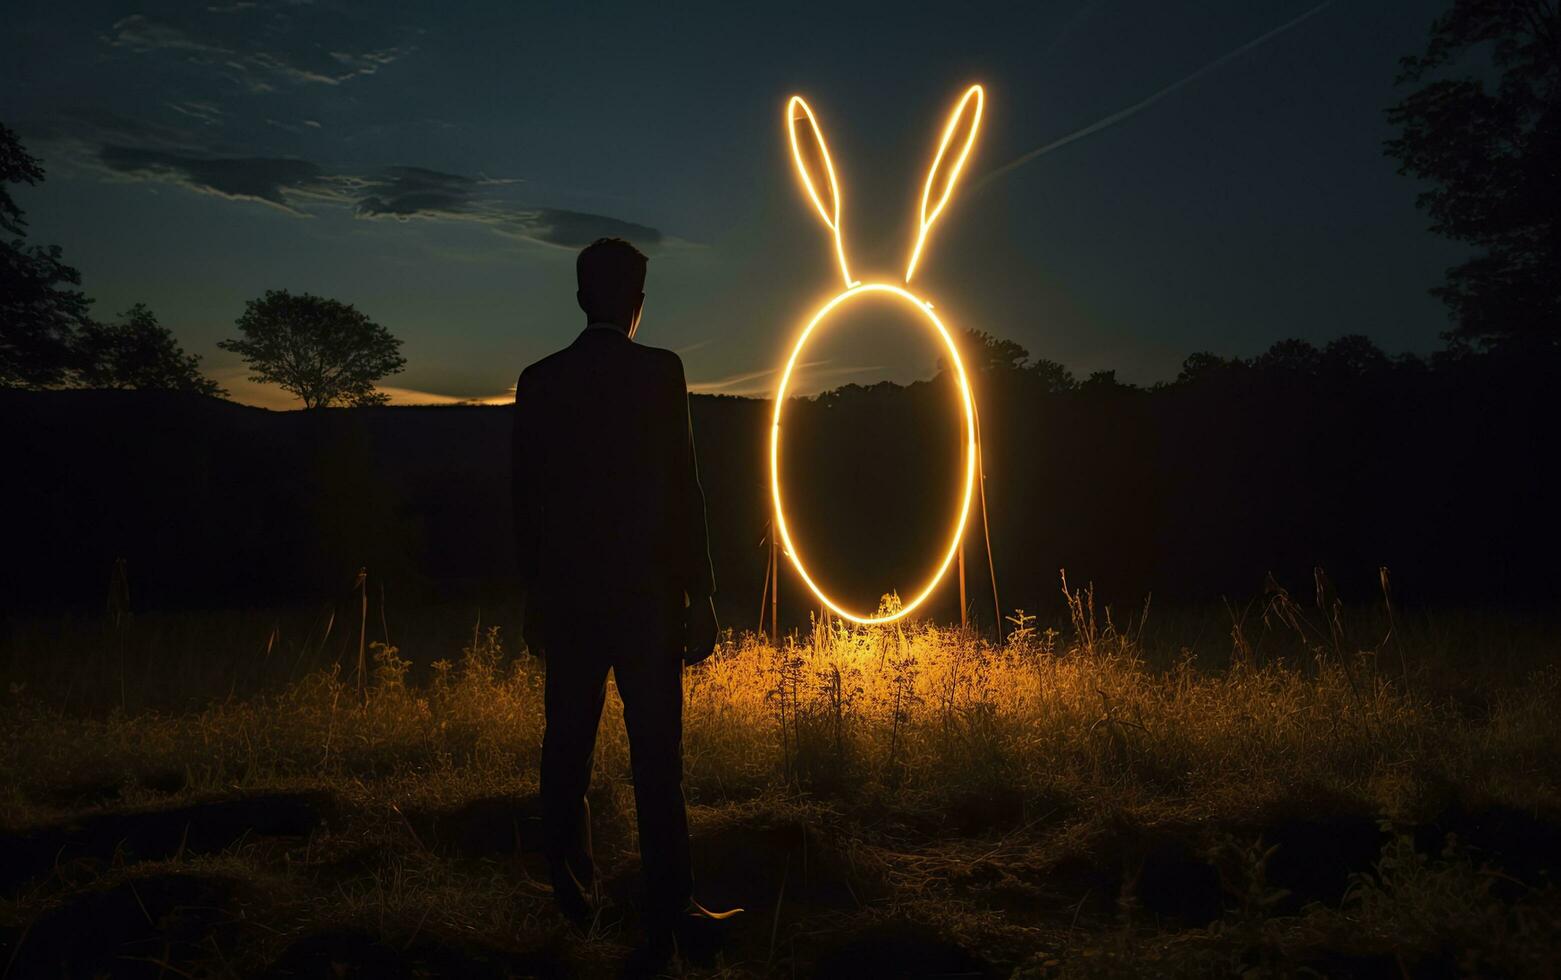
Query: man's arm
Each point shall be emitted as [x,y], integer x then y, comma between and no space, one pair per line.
[524,451]
[700,629]
[699,573]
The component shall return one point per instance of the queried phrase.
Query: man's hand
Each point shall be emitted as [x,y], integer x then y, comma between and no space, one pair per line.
[531,626]
[699,629]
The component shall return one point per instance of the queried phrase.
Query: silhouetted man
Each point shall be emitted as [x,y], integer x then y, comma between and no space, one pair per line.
[616,567]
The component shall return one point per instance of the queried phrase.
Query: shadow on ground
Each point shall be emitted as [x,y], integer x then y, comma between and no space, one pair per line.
[95,840]
[111,896]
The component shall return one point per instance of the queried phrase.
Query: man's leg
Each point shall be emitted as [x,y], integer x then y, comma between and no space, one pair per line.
[649,673]
[575,689]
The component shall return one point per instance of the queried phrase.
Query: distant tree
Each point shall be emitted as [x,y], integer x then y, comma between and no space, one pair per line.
[138,352]
[1295,358]
[1409,364]
[1099,381]
[1491,154]
[40,311]
[1354,355]
[16,166]
[1204,367]
[322,350]
[1054,378]
[985,354]
[997,353]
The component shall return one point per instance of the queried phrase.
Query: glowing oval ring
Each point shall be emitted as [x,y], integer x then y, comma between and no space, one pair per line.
[925,308]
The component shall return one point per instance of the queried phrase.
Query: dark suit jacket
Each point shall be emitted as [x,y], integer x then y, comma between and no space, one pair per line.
[607,495]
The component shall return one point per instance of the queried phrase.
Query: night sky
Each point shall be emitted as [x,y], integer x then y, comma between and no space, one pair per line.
[438,164]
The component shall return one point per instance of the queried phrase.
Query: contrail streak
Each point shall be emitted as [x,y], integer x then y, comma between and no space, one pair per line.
[1138,107]
[745,383]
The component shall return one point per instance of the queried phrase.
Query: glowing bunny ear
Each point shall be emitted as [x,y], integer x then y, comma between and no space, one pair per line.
[959,135]
[811,156]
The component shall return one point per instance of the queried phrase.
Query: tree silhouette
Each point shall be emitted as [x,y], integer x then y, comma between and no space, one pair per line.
[322,350]
[1054,378]
[1103,381]
[40,312]
[984,353]
[1205,367]
[1490,153]
[138,352]
[1293,357]
[988,353]
[1355,356]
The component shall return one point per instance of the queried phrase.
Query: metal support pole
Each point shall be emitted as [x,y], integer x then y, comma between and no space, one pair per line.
[963,605]
[774,589]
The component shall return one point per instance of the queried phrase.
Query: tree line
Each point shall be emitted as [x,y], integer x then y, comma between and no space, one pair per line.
[1482,129]
[321,350]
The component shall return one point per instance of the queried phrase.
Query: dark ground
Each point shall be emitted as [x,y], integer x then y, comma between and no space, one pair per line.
[1075,804]
[1193,492]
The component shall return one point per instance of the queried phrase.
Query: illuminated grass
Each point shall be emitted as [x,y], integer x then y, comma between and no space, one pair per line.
[1016,800]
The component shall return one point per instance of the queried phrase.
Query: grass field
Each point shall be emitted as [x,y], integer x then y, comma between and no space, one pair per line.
[1283,789]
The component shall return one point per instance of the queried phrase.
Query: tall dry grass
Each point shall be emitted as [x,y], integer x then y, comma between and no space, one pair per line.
[915,713]
[1004,795]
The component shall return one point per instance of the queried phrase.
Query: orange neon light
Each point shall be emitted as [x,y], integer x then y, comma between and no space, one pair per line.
[796,111]
[972,93]
[831,214]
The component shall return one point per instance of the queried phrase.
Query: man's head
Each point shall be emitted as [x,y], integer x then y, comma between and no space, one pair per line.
[611,277]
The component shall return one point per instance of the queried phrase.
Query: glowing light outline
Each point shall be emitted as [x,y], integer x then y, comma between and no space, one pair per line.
[807,180]
[966,398]
[973,92]
[855,288]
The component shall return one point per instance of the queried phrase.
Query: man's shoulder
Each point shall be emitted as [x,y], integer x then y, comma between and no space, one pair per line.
[656,361]
[666,359]
[574,360]
[545,366]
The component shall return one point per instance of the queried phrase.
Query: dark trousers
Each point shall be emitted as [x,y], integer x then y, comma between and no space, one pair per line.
[640,640]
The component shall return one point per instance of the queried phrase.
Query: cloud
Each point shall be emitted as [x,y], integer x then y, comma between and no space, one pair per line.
[732,384]
[203,112]
[416,396]
[260,46]
[93,128]
[141,33]
[403,193]
[246,392]
[807,378]
[108,144]
[575,229]
[303,188]
[268,180]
